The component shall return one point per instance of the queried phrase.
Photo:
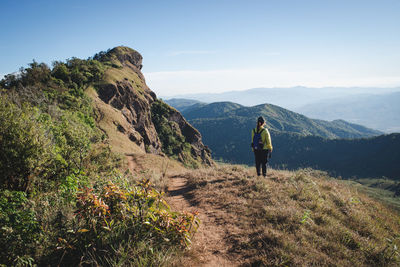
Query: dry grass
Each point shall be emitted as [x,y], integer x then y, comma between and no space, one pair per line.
[113,75]
[108,119]
[301,218]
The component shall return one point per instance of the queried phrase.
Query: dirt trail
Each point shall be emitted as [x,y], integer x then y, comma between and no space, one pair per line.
[208,246]
[132,165]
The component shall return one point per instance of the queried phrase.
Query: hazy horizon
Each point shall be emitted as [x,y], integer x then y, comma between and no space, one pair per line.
[357,90]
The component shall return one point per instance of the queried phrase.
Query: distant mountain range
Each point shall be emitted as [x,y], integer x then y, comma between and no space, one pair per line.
[298,141]
[380,112]
[373,107]
[286,97]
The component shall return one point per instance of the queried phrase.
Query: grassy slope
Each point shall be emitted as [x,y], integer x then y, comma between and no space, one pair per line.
[107,117]
[298,218]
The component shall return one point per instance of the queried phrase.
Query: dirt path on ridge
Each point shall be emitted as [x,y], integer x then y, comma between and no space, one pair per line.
[131,164]
[208,245]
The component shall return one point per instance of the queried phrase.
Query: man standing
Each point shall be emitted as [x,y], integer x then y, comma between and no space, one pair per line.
[262,146]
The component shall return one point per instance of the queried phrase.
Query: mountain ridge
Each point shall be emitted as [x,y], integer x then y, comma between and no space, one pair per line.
[299,95]
[380,111]
[279,119]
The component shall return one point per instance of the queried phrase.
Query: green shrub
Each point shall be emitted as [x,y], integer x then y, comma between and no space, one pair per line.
[25,145]
[60,71]
[19,227]
[73,139]
[37,148]
[116,216]
[70,185]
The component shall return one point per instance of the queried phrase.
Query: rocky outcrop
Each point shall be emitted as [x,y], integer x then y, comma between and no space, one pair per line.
[124,88]
[135,108]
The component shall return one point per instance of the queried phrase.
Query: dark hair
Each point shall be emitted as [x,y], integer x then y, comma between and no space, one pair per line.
[261,121]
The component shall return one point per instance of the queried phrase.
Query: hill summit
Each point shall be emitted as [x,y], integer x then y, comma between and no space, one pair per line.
[146,121]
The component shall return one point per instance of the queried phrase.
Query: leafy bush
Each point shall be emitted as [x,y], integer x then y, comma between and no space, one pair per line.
[25,145]
[115,215]
[19,228]
[60,71]
[37,147]
[70,185]
[73,138]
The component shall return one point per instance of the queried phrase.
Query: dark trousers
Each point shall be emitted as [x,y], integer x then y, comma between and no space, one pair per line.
[261,161]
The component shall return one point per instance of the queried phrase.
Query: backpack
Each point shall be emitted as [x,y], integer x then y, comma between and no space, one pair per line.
[257,142]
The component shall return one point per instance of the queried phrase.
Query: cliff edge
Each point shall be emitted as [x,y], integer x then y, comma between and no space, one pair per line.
[149,123]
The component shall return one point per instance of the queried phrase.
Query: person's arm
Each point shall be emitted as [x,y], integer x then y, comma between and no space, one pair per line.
[252,137]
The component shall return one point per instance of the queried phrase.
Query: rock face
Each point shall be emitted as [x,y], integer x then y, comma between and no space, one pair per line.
[124,88]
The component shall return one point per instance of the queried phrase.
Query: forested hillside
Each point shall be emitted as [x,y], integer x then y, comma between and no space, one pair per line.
[278,119]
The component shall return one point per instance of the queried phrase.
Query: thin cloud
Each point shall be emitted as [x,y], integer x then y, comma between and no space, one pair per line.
[190,52]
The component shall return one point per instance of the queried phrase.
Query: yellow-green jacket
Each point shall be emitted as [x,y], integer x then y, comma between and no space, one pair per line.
[265,138]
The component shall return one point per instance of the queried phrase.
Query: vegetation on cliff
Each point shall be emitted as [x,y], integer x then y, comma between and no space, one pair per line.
[176,140]
[63,200]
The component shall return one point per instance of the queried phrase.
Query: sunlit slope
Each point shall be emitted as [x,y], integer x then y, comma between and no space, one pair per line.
[301,218]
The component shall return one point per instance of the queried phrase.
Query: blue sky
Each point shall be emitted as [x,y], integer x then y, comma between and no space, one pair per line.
[215,46]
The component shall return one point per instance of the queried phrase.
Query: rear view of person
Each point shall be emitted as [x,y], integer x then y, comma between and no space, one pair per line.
[262,146]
